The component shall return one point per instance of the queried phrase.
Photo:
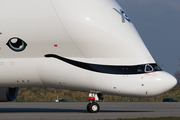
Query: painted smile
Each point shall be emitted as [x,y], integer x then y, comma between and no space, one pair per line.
[108,69]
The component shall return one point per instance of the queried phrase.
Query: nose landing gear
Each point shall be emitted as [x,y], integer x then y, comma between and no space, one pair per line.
[94,107]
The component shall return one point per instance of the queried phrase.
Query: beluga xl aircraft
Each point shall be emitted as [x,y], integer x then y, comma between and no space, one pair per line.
[83,45]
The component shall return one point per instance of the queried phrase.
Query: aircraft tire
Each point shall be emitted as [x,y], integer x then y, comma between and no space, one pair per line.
[88,107]
[93,107]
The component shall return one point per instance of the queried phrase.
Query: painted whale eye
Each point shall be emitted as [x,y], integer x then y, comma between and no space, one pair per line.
[16,44]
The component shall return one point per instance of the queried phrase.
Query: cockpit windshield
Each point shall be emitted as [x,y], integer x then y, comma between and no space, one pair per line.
[148,68]
[156,67]
[141,69]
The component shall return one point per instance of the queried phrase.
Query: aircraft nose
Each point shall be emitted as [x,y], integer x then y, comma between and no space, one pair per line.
[169,81]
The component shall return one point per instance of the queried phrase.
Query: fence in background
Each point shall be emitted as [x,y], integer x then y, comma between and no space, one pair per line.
[85,99]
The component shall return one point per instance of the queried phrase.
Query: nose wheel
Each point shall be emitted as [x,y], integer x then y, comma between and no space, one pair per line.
[93,107]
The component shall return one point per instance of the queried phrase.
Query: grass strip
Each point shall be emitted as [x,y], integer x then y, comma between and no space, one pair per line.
[161,118]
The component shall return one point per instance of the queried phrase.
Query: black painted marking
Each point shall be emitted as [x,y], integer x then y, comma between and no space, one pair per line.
[16,44]
[108,69]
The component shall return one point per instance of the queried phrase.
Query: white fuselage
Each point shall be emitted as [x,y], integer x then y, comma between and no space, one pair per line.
[87,31]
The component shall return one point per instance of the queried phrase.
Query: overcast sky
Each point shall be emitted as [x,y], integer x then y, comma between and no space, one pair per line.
[158,23]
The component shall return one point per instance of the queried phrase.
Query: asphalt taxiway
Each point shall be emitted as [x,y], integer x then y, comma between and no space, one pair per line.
[77,110]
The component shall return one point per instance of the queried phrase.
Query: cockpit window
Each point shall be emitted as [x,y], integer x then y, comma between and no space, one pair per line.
[149,68]
[156,67]
[141,69]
